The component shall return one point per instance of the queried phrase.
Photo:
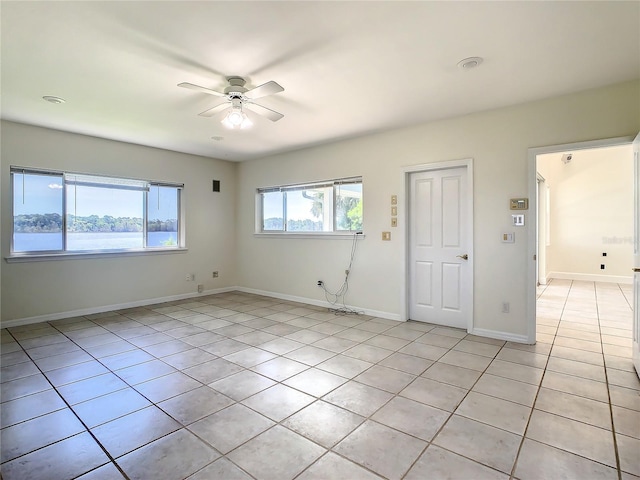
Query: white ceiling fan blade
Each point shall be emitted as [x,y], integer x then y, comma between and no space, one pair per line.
[264,111]
[198,88]
[213,110]
[263,90]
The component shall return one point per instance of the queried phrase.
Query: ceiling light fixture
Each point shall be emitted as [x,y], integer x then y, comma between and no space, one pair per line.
[469,63]
[52,99]
[236,118]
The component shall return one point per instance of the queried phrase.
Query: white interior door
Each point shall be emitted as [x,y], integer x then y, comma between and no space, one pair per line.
[440,275]
[636,256]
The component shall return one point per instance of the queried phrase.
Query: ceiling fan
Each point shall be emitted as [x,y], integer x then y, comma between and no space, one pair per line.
[236,97]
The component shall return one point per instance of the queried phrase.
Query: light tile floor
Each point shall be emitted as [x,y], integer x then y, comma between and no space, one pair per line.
[237,386]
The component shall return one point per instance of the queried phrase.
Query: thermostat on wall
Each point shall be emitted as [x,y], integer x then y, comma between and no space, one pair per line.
[519,204]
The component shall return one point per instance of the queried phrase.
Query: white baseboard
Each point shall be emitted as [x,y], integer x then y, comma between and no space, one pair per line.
[590,277]
[108,308]
[498,335]
[319,303]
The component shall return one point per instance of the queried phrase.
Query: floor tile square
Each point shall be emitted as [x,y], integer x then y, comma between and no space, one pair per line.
[222,469]
[110,406]
[280,368]
[386,451]
[66,459]
[277,454]
[39,432]
[572,436]
[231,427]
[315,382]
[496,412]
[574,407]
[436,394]
[628,448]
[23,386]
[356,397]
[31,406]
[177,455]
[195,404]
[162,388]
[242,384]
[213,370]
[368,353]
[344,366]
[436,462]
[537,460]
[485,444]
[412,417]
[507,389]
[131,431]
[385,378]
[310,355]
[278,402]
[336,468]
[406,363]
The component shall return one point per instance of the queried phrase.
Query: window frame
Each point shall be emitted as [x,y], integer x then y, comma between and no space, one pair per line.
[334,232]
[142,185]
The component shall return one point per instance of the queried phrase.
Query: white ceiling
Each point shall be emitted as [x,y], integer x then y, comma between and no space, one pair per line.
[348,68]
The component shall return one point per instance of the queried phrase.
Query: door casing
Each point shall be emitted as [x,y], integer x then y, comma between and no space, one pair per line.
[403,217]
[532,264]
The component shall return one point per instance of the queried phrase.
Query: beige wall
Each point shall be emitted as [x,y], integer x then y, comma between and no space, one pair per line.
[42,288]
[591,212]
[498,142]
[221,226]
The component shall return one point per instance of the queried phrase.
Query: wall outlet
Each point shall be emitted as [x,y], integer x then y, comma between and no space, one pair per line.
[190,277]
[215,274]
[200,288]
[386,236]
[505,307]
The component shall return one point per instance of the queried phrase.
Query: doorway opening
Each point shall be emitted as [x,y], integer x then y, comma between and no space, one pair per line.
[582,236]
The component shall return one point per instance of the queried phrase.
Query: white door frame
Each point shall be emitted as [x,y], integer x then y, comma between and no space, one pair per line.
[403,217]
[532,265]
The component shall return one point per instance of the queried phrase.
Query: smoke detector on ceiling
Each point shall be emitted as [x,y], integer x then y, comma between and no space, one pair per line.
[470,63]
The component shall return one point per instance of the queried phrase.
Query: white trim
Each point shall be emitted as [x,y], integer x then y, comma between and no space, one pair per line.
[591,277]
[319,303]
[315,236]
[108,308]
[46,257]
[509,337]
[403,219]
[533,216]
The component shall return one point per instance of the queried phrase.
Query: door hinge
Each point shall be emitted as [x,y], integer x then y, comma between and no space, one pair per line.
[535,257]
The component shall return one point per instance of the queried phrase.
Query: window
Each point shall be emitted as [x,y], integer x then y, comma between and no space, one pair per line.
[329,207]
[56,212]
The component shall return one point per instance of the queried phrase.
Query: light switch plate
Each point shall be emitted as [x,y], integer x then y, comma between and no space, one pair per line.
[394,199]
[518,220]
[394,222]
[508,237]
[394,211]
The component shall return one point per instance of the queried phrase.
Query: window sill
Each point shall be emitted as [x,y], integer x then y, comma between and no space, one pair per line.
[309,235]
[45,257]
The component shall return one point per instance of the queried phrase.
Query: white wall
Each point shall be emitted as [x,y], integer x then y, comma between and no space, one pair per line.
[44,288]
[497,141]
[591,200]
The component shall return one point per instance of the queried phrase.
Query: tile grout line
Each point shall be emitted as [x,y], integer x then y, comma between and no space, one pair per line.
[606,378]
[533,405]
[88,430]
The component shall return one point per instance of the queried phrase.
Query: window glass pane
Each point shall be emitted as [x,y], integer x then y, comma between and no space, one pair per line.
[272,211]
[37,212]
[310,210]
[162,223]
[349,207]
[104,218]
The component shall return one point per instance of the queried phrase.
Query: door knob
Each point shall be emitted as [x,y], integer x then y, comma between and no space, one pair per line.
[464,257]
